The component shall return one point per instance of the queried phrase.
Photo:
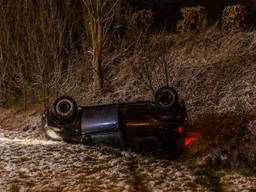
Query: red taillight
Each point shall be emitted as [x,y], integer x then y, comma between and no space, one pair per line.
[180,130]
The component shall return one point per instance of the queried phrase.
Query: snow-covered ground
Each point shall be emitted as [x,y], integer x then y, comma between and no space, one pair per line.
[30,163]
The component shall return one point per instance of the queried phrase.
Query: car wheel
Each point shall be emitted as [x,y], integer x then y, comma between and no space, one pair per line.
[65,109]
[166,98]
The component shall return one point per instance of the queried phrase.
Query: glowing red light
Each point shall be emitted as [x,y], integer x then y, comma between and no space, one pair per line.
[180,130]
[190,139]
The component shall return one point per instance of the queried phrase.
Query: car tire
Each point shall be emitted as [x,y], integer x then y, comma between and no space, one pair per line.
[166,98]
[65,109]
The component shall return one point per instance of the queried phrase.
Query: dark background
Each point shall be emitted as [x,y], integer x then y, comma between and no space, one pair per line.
[167,12]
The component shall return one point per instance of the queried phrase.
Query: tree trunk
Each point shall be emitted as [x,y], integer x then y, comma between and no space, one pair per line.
[97,72]
[97,42]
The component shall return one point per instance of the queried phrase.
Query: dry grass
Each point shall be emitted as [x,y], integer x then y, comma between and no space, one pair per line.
[33,56]
[213,72]
[37,64]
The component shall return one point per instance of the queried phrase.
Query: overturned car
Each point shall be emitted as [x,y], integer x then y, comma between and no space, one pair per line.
[144,127]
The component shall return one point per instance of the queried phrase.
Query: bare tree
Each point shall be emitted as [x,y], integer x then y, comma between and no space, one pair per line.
[99,17]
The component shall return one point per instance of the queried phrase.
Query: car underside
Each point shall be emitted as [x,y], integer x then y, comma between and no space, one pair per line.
[143,127]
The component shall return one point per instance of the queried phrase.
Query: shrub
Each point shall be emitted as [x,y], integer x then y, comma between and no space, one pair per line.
[233,18]
[194,19]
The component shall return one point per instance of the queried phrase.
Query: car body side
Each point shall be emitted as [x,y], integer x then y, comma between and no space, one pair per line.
[140,127]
